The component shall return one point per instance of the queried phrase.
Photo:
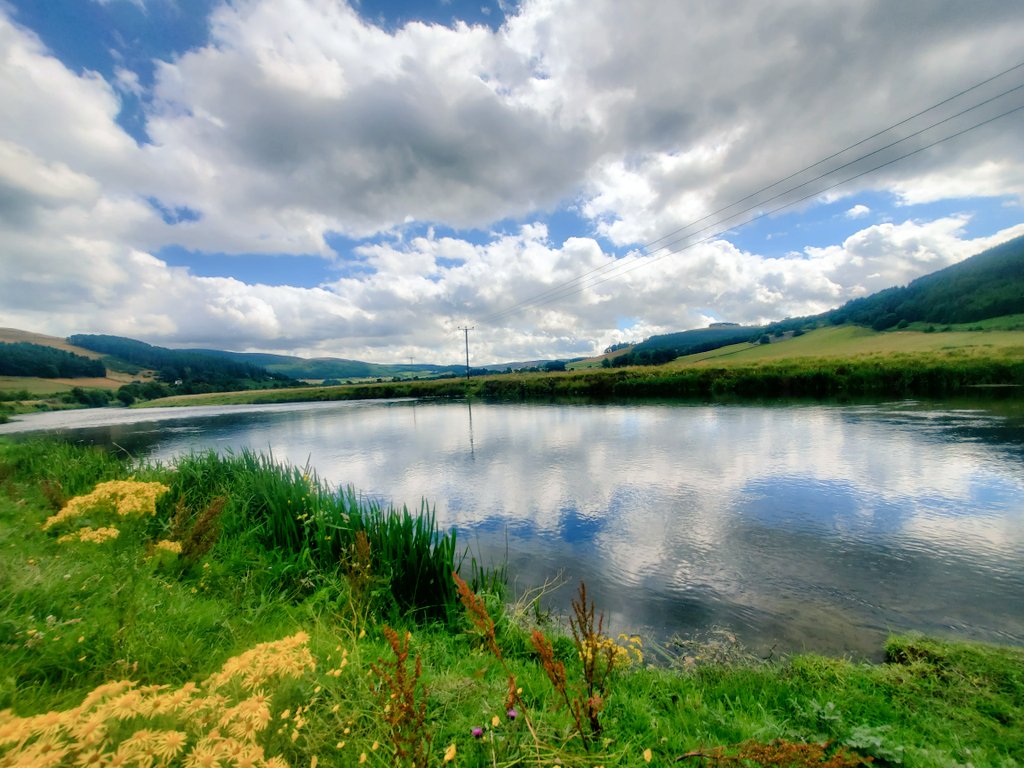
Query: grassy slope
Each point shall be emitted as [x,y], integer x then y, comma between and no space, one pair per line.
[39,386]
[13,335]
[854,342]
[75,615]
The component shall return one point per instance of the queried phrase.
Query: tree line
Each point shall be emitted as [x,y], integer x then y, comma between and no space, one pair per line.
[187,372]
[990,284]
[26,359]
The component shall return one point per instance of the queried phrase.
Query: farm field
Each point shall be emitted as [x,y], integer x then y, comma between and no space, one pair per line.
[14,336]
[858,342]
[38,386]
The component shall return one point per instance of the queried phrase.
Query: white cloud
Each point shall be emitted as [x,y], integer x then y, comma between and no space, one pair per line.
[653,119]
[299,118]
[858,211]
[128,81]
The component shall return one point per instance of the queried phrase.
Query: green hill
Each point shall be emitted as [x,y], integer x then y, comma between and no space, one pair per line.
[974,291]
[27,359]
[320,368]
[661,349]
[990,284]
[188,371]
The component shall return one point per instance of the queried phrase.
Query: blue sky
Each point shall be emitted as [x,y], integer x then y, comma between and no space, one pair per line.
[360,179]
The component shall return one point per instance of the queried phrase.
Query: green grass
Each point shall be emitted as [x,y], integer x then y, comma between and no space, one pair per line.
[74,616]
[33,386]
[1003,323]
[854,342]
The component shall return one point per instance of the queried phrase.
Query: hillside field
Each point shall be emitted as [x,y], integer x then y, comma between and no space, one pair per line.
[39,386]
[15,336]
[858,342]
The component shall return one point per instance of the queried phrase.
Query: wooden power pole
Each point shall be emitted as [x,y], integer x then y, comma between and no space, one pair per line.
[466,330]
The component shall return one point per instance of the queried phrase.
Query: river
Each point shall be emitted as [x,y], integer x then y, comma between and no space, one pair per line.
[797,527]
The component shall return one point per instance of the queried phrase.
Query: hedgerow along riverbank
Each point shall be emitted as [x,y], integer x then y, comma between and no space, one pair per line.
[997,371]
[845,362]
[238,614]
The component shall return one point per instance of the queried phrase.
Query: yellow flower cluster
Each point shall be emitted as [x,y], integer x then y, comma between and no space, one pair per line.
[625,653]
[199,725]
[169,546]
[128,498]
[289,657]
[91,535]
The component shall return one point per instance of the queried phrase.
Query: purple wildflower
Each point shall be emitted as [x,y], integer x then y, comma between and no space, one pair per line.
[512,714]
[478,732]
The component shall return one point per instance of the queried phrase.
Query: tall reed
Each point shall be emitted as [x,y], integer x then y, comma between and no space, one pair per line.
[298,516]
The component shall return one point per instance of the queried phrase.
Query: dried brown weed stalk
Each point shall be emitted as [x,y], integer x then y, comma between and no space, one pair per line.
[792,754]
[597,653]
[404,701]
[484,624]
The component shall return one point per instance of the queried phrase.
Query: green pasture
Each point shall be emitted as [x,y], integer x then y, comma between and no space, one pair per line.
[857,342]
[34,386]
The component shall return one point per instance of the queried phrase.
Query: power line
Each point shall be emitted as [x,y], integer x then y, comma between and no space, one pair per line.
[843,151]
[620,265]
[782,207]
[624,265]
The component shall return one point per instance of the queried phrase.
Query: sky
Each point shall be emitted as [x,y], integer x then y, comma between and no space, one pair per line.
[363,179]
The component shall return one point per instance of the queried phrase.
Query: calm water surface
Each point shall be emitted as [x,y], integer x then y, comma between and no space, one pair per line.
[798,527]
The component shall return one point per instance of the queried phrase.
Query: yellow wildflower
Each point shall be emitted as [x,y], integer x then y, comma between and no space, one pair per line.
[169,546]
[128,498]
[169,744]
[648,755]
[289,657]
[91,535]
[449,753]
[46,724]
[203,758]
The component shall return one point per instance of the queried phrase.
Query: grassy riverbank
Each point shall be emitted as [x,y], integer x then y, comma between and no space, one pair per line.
[244,612]
[830,362]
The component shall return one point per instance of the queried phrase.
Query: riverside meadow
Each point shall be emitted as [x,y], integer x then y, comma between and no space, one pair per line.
[244,613]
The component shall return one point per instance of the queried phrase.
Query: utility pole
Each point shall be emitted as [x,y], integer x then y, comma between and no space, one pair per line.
[466,330]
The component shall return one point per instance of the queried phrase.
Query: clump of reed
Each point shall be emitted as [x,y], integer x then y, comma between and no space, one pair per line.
[313,528]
